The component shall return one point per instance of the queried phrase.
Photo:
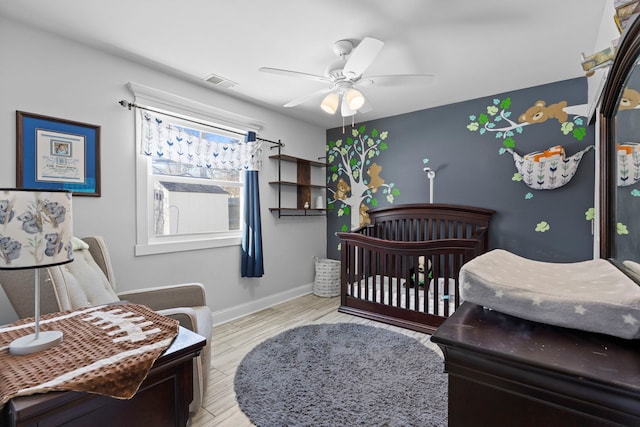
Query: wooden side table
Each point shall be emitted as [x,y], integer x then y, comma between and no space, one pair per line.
[506,371]
[162,400]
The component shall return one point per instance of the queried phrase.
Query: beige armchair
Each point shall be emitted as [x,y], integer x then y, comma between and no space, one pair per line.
[89,281]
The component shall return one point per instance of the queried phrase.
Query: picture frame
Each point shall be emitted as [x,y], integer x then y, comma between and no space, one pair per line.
[54,153]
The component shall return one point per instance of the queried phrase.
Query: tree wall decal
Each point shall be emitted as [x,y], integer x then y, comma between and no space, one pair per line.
[354,181]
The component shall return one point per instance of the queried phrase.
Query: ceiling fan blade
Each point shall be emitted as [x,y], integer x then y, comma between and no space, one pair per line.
[398,79]
[361,57]
[364,82]
[297,74]
[306,98]
[366,107]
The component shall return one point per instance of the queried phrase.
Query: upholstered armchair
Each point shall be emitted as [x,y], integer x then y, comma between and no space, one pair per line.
[89,281]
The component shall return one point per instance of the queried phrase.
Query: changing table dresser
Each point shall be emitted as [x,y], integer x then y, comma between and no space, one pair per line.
[507,371]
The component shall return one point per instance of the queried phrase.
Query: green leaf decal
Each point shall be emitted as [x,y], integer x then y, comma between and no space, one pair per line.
[509,142]
[579,133]
[621,228]
[542,226]
[483,119]
[505,104]
[492,110]
[566,127]
[590,214]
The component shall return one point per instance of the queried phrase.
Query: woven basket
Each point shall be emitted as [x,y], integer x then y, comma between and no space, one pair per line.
[327,281]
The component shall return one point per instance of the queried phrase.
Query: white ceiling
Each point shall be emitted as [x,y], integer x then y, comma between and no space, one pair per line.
[474,48]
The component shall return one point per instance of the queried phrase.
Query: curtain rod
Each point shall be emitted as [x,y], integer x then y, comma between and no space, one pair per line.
[128,105]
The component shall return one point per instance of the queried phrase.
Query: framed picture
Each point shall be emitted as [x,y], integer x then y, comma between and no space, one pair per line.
[57,154]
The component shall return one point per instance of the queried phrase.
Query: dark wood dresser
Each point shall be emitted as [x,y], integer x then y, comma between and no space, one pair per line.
[506,371]
[162,400]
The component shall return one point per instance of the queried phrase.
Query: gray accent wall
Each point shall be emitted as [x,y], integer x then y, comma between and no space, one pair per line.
[471,171]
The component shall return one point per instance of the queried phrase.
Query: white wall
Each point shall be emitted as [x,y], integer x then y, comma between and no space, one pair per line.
[198,212]
[43,74]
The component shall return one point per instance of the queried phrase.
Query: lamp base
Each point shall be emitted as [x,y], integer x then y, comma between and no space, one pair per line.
[29,344]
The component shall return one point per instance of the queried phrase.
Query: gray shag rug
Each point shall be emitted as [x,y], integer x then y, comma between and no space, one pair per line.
[342,374]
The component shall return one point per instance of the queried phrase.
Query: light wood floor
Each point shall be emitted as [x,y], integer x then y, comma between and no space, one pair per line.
[233,340]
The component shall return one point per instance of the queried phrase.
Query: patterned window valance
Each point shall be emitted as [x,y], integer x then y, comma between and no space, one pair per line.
[164,138]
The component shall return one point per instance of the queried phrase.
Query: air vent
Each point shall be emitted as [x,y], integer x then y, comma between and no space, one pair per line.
[220,81]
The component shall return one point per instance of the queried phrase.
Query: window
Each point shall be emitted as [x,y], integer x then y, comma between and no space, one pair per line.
[193,199]
[189,188]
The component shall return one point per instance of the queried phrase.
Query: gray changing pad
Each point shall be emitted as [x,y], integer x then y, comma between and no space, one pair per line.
[591,295]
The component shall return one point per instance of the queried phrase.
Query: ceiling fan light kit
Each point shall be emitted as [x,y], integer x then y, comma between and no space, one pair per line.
[330,103]
[355,99]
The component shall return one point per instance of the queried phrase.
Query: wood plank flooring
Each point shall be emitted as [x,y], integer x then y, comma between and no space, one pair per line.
[233,340]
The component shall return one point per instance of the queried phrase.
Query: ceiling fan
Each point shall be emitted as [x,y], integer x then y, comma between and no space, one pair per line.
[345,77]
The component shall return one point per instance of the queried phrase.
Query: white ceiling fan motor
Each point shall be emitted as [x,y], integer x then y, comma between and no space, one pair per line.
[342,48]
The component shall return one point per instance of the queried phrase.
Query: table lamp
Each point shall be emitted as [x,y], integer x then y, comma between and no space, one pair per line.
[35,231]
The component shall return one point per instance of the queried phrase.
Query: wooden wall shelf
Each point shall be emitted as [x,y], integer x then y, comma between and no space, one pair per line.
[303,186]
[299,212]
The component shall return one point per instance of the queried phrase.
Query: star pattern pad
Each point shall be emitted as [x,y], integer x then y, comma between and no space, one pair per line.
[591,295]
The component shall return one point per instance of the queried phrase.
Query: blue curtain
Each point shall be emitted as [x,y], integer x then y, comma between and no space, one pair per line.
[252,264]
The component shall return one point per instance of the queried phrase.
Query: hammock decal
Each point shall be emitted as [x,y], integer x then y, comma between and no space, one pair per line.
[548,169]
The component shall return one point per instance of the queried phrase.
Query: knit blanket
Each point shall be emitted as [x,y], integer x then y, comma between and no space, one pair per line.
[106,350]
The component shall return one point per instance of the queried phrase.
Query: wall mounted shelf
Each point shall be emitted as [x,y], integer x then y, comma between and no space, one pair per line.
[298,212]
[303,187]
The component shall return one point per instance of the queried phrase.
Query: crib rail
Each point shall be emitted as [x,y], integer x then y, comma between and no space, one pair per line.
[381,279]
[421,222]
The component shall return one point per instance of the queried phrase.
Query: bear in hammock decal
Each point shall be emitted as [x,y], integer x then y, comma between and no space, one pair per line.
[541,170]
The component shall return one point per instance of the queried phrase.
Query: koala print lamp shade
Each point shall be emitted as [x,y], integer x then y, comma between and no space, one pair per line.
[35,231]
[35,228]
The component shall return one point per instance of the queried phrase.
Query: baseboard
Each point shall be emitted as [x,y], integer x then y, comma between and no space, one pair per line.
[231,313]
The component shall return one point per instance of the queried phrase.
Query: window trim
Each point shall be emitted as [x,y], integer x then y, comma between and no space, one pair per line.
[146,242]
